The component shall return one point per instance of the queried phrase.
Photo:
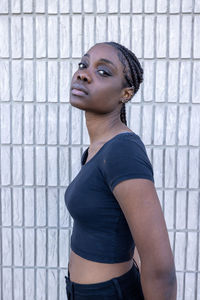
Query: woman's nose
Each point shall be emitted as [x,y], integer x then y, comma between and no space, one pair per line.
[83,76]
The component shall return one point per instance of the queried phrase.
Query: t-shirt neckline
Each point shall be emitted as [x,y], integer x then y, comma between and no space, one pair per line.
[86,151]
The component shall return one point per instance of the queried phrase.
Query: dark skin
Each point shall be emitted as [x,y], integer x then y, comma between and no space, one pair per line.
[136,197]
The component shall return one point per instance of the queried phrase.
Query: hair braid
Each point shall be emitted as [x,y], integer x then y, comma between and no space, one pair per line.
[134,74]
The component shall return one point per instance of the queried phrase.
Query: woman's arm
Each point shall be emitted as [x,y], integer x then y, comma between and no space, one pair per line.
[140,204]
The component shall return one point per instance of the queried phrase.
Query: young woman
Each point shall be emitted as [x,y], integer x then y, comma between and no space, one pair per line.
[113,200]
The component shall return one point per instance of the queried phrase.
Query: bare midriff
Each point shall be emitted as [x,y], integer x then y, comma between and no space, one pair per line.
[86,271]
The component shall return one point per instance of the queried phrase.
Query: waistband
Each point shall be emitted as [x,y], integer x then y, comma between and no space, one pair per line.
[123,280]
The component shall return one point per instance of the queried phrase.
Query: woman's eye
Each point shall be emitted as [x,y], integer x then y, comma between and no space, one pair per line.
[81,64]
[104,73]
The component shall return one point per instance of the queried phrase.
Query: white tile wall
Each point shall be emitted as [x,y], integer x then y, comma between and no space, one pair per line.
[42,137]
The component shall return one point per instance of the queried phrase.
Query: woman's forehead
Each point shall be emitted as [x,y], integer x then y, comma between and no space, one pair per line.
[104,51]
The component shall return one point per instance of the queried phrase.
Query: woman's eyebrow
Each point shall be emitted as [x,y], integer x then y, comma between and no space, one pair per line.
[103,60]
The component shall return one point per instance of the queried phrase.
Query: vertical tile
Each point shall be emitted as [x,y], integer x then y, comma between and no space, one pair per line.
[29,207]
[181,167]
[6,251]
[40,165]
[64,88]
[137,35]
[180,244]
[187,5]
[52,165]
[52,207]
[194,173]
[181,210]
[169,172]
[190,286]
[162,6]
[196,38]
[40,32]
[75,161]
[161,35]
[174,6]
[194,138]
[101,6]
[100,29]
[159,125]
[17,83]
[113,6]
[28,80]
[76,6]
[147,119]
[185,72]
[158,166]
[52,282]
[52,247]
[125,6]
[64,6]
[28,165]
[28,6]
[148,80]
[197,6]
[17,206]
[64,125]
[28,36]
[41,283]
[169,209]
[4,49]
[5,165]
[52,81]
[4,81]
[5,121]
[173,81]
[149,36]
[41,244]
[125,31]
[171,124]
[174,35]
[18,283]
[40,84]
[186,32]
[64,36]
[39,6]
[16,37]
[15,6]
[29,249]
[88,6]
[4,6]
[52,124]
[137,6]
[28,123]
[160,81]
[6,206]
[180,285]
[40,124]
[63,167]
[52,7]
[183,125]
[112,25]
[88,32]
[149,6]
[18,246]
[77,35]
[196,82]
[135,117]
[17,165]
[193,201]
[17,124]
[52,36]
[29,283]
[191,251]
[76,132]
[40,204]
[7,283]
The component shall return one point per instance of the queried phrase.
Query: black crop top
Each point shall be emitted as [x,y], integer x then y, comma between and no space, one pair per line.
[100,230]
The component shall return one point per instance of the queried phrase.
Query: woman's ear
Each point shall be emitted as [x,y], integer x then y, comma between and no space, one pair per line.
[127,93]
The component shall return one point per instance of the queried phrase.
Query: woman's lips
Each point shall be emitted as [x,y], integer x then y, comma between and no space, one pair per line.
[78,92]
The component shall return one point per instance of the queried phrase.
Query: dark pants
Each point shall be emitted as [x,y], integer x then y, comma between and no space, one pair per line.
[124,287]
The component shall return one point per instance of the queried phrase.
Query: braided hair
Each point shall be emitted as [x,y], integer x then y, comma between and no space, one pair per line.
[133,72]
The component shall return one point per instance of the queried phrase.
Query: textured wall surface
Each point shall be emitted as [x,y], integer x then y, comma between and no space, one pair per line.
[42,136]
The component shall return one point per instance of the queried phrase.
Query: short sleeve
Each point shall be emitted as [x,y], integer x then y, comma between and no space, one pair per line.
[126,158]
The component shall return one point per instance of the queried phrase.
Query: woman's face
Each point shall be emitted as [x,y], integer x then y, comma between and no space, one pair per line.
[100,74]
